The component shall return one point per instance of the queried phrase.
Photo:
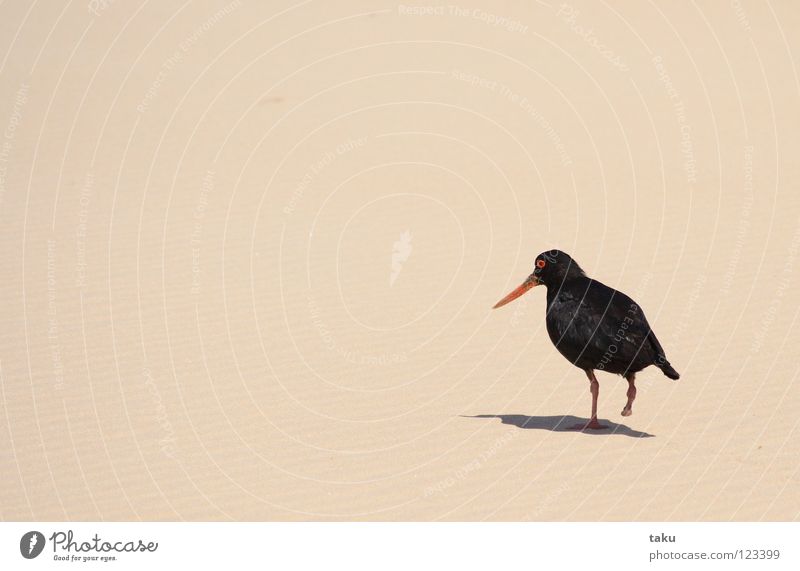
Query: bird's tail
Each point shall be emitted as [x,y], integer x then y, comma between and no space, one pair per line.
[661,360]
[667,369]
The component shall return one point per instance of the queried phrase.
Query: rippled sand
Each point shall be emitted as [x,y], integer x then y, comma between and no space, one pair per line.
[250,250]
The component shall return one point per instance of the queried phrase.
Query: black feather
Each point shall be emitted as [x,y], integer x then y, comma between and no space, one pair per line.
[597,327]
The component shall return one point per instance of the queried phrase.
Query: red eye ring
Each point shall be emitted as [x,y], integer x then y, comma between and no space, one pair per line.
[540,263]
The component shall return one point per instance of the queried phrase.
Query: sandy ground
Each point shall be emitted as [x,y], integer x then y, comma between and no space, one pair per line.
[249,252]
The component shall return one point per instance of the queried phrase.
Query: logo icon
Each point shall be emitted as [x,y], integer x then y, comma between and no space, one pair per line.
[31,544]
[401,250]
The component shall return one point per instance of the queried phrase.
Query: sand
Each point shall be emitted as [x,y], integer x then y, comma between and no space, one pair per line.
[249,253]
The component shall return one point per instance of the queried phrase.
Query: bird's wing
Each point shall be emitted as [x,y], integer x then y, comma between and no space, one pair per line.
[621,328]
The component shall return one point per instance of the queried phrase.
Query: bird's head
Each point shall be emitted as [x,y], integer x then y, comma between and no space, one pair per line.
[550,268]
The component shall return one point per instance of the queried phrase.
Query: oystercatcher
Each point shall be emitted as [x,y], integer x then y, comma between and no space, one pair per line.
[594,326]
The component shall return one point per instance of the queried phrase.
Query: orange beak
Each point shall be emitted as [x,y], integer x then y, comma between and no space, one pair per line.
[529,283]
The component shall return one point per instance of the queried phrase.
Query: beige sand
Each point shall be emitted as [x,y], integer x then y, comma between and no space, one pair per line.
[250,250]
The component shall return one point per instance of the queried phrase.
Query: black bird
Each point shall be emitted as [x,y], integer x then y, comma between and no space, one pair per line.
[594,326]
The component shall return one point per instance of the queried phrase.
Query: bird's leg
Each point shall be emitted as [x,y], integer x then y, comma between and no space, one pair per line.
[631,378]
[594,388]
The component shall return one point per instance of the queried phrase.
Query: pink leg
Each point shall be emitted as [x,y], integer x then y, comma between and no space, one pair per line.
[628,410]
[594,388]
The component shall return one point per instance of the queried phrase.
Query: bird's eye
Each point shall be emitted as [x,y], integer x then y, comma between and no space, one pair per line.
[540,264]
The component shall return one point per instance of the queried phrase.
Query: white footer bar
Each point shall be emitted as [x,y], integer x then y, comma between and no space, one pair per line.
[401,546]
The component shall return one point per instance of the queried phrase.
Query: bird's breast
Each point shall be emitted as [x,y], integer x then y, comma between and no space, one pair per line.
[561,312]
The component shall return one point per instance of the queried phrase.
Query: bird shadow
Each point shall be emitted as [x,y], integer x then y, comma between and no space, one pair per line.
[563,424]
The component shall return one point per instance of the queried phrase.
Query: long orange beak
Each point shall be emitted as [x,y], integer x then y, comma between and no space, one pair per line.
[530,283]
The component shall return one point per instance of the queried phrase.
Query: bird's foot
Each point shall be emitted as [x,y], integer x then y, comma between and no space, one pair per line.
[626,412]
[590,425]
